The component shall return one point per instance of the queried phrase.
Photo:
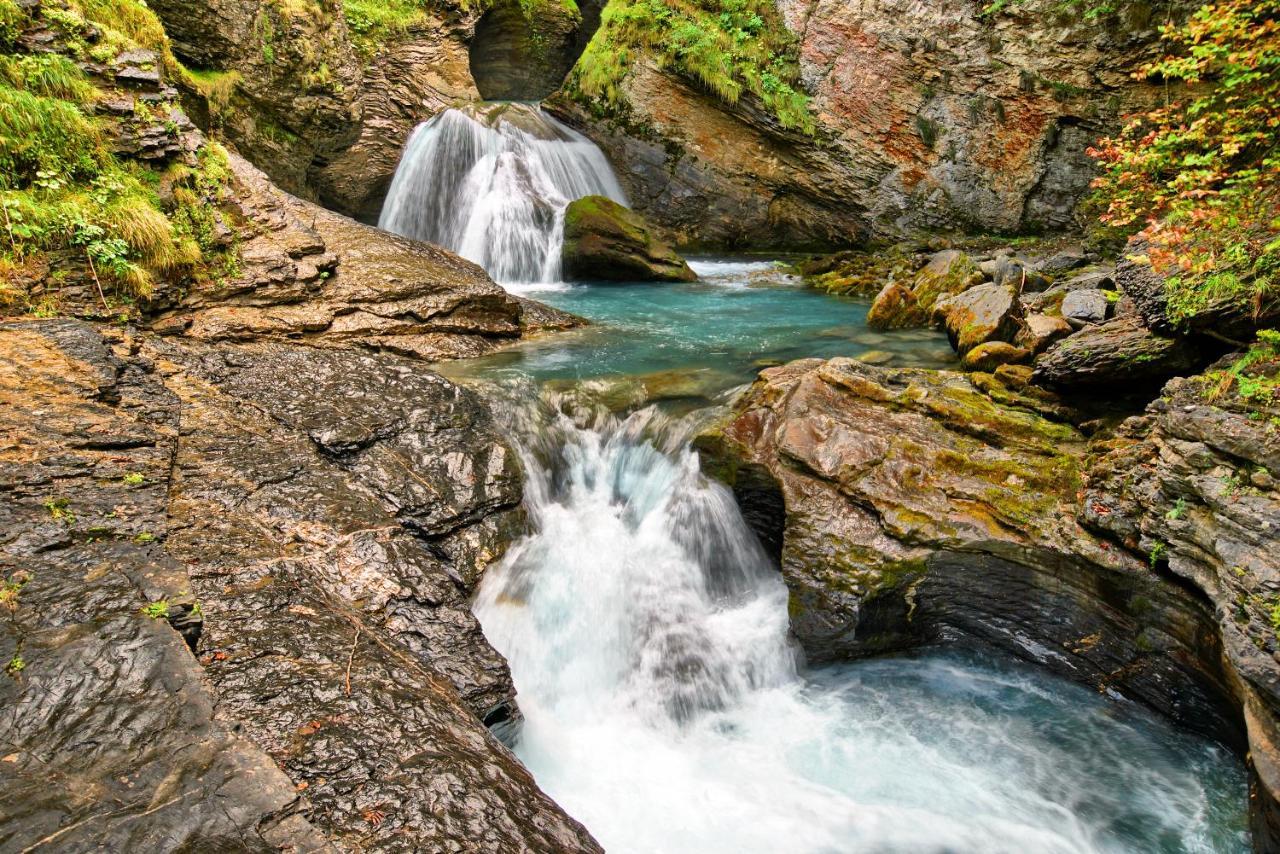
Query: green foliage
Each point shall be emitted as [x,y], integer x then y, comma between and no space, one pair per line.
[1158,554]
[731,47]
[60,510]
[11,587]
[1255,376]
[134,478]
[15,665]
[1178,510]
[1199,178]
[61,187]
[157,610]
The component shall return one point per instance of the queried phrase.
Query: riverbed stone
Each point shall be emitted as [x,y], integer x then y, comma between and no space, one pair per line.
[980,314]
[993,354]
[1038,331]
[895,307]
[1083,307]
[605,240]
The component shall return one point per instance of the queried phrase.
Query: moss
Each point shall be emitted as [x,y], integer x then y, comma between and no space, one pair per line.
[729,47]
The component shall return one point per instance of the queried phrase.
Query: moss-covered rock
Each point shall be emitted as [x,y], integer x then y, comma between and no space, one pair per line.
[991,355]
[604,240]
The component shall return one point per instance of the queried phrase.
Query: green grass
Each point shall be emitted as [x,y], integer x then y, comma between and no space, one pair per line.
[729,47]
[61,187]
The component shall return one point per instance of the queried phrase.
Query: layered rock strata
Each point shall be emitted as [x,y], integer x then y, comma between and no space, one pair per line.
[236,583]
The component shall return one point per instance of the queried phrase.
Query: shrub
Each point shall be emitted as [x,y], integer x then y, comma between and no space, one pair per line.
[1199,178]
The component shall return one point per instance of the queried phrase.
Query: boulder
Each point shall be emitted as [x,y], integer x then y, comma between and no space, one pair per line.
[895,307]
[1016,274]
[1122,350]
[1083,307]
[991,355]
[604,240]
[980,314]
[1038,331]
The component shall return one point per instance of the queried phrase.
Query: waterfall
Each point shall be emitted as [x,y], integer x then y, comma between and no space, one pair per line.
[666,708]
[491,183]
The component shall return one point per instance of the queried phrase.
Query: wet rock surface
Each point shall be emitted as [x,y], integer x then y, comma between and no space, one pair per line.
[1191,483]
[916,506]
[309,274]
[311,521]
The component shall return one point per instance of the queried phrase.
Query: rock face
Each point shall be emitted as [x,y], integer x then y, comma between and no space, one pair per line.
[523,55]
[283,81]
[1192,483]
[928,116]
[236,607]
[909,506]
[411,78]
[604,240]
[308,274]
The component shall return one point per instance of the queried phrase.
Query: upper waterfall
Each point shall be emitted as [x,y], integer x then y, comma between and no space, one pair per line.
[491,182]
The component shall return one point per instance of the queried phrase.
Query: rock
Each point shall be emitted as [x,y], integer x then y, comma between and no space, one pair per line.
[991,355]
[1014,273]
[981,314]
[984,149]
[1174,486]
[1038,331]
[1063,262]
[414,74]
[1083,307]
[909,506]
[604,240]
[330,532]
[521,51]
[1121,350]
[895,307]
[876,357]
[310,274]
[286,88]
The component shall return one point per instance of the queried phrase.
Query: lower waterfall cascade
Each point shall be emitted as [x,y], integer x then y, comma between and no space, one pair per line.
[666,708]
[491,183]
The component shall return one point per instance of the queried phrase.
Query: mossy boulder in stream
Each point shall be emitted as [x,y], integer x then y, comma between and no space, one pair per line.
[605,240]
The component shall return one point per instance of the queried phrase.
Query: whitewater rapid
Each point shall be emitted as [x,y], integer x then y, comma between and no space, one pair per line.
[666,708]
[491,182]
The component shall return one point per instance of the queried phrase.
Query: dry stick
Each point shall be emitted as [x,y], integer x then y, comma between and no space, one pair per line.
[351,655]
[94,270]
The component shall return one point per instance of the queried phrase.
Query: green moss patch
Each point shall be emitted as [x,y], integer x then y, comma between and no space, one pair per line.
[729,47]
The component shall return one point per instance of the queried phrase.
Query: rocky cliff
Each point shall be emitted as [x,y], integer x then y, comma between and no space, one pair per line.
[922,116]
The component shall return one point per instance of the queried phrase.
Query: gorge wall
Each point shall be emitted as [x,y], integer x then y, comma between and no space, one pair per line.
[926,116]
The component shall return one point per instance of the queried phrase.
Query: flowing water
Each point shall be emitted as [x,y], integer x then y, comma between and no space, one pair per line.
[491,183]
[664,704]
[666,708]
